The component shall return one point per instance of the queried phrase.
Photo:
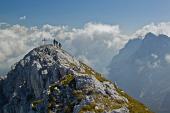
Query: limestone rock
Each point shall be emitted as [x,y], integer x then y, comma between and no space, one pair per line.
[50,80]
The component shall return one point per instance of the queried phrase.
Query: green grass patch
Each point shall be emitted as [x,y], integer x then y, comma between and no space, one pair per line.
[78,94]
[102,103]
[90,71]
[67,79]
[134,106]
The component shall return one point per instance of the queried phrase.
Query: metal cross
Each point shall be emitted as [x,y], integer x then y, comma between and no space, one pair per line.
[44,40]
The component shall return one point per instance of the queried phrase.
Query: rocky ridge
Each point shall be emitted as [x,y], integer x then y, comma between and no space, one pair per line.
[50,80]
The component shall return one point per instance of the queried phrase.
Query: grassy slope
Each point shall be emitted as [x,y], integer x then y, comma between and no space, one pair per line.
[134,106]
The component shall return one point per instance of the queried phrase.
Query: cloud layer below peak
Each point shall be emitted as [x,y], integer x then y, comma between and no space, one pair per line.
[94,43]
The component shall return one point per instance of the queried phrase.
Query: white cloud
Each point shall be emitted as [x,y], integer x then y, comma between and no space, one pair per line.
[22,17]
[160,28]
[94,43]
[167,58]
[154,56]
[3,24]
[154,64]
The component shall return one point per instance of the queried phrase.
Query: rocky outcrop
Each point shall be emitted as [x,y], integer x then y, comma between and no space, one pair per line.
[49,80]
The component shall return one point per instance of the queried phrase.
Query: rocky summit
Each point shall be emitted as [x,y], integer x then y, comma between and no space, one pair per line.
[50,80]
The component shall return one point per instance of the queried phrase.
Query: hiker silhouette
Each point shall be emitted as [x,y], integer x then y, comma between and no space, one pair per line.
[55,42]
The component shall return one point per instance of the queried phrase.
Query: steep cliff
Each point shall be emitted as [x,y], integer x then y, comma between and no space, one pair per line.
[145,64]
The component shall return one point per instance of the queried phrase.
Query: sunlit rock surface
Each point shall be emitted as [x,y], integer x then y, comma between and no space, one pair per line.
[50,80]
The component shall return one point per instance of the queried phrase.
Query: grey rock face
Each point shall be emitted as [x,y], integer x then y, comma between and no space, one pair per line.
[142,70]
[1,94]
[122,110]
[49,80]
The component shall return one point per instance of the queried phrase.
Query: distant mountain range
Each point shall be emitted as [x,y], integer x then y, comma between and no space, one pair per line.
[49,80]
[142,68]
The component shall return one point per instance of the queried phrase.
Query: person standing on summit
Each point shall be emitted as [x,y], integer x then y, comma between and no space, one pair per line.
[59,45]
[55,43]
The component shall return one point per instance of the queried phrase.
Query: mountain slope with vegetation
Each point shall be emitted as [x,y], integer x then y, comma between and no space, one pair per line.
[49,80]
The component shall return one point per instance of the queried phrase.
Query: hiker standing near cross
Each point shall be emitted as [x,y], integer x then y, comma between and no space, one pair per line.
[54,42]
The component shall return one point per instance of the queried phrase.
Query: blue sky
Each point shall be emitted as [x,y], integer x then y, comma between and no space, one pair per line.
[96,37]
[129,14]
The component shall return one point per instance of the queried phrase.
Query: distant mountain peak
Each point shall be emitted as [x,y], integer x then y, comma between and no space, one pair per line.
[150,34]
[144,63]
